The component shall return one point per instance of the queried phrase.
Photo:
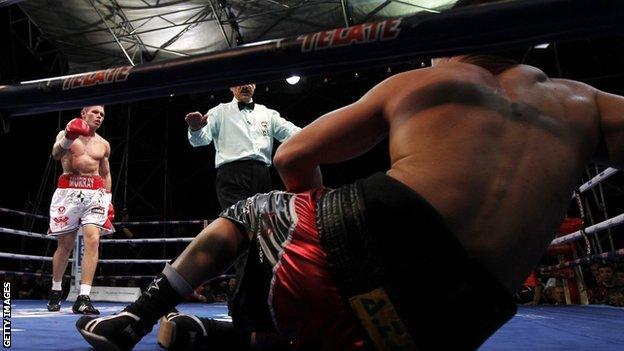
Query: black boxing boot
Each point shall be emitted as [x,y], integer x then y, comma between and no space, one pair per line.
[181,332]
[83,305]
[125,329]
[54,304]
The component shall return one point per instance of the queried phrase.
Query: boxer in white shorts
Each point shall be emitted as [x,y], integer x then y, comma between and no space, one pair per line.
[81,201]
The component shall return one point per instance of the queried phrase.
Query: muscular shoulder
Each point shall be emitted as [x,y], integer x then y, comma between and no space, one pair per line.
[575,86]
[100,140]
[526,72]
[412,91]
[455,71]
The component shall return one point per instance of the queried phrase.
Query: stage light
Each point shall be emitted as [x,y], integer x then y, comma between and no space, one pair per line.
[292,80]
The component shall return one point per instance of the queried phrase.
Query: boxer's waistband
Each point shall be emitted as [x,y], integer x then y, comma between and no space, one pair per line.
[80,182]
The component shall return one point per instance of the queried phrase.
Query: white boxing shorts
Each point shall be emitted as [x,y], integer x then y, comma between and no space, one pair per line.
[78,201]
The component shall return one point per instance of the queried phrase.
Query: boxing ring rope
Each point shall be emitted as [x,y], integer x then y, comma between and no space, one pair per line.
[597,179]
[151,240]
[26,214]
[46,258]
[609,223]
[191,221]
[501,26]
[103,241]
[140,261]
[122,277]
[35,274]
[28,234]
[575,263]
[611,255]
[606,224]
[28,257]
[109,261]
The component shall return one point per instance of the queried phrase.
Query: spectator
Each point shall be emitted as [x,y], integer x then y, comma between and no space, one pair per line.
[609,292]
[531,292]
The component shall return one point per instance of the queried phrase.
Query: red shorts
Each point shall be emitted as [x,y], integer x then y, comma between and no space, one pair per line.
[305,302]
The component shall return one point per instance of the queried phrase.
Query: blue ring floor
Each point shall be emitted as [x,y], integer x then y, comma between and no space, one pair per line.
[532,328]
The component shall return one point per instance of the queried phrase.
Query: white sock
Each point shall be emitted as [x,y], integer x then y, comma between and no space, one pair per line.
[85,289]
[56,285]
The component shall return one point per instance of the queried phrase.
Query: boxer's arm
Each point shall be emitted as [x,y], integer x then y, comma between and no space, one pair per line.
[337,136]
[57,150]
[64,140]
[104,168]
[104,171]
[611,111]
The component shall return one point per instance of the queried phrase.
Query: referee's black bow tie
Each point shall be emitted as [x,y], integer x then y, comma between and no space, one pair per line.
[245,105]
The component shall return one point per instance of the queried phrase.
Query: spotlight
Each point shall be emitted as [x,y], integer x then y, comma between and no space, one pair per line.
[292,80]
[542,46]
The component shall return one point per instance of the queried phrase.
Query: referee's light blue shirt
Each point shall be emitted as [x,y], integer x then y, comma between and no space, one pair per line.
[242,135]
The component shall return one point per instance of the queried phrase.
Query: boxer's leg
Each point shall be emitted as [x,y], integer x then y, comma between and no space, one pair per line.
[65,245]
[91,235]
[213,250]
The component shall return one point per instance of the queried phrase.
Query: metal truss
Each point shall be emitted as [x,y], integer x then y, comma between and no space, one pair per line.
[229,16]
[28,35]
[117,24]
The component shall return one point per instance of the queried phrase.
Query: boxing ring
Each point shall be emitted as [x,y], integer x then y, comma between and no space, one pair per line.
[33,327]
[533,328]
[501,26]
[549,327]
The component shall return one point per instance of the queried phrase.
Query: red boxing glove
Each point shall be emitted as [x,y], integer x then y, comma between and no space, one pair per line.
[76,127]
[111,212]
[111,209]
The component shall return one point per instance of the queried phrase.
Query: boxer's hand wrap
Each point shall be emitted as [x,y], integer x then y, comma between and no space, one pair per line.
[66,143]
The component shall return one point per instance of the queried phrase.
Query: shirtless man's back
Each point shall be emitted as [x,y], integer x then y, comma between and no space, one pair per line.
[498,154]
[482,151]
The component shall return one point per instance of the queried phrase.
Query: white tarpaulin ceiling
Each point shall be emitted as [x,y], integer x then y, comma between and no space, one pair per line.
[95,34]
